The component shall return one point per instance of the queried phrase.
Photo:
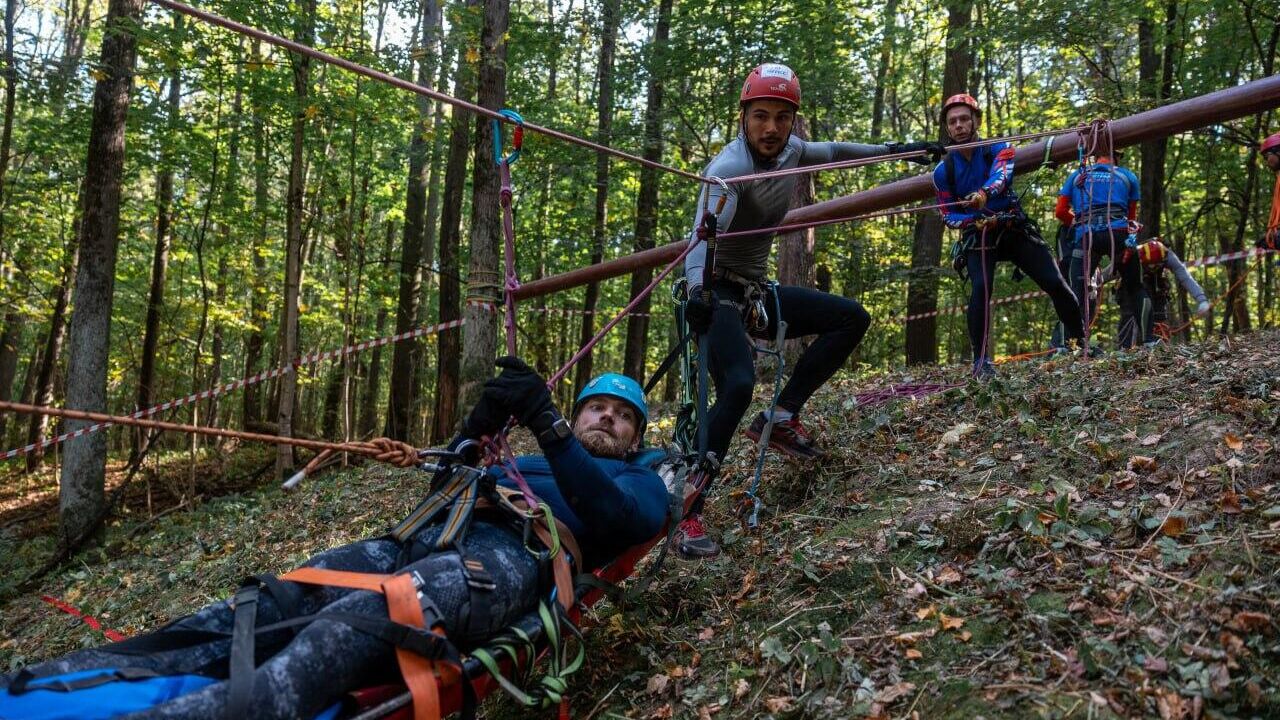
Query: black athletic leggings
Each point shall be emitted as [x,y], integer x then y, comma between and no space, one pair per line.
[310,671]
[1130,293]
[839,323]
[1021,244]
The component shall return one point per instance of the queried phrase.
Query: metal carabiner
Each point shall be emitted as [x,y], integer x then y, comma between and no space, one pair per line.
[517,137]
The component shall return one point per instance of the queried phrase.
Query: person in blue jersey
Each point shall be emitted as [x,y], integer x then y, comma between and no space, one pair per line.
[1099,201]
[587,474]
[975,187]
[739,303]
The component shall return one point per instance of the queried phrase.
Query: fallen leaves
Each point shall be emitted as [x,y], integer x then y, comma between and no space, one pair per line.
[893,693]
[1173,706]
[1247,621]
[950,623]
[1230,503]
[1233,442]
[779,704]
[1142,463]
[658,684]
[748,581]
[953,436]
[1173,526]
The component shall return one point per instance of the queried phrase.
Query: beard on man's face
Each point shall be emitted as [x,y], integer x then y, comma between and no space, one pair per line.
[601,444]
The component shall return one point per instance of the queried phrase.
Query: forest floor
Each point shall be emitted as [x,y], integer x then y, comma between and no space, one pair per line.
[1081,539]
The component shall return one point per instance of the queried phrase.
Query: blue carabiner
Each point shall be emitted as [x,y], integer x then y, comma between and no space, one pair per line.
[517,137]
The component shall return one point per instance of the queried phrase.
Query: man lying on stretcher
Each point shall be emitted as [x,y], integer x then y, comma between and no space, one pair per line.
[584,476]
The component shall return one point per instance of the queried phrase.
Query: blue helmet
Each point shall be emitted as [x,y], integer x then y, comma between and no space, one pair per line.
[617,386]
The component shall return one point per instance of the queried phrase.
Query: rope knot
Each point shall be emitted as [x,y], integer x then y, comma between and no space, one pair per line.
[393,452]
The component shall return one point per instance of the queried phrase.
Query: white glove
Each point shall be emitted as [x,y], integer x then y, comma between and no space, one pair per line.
[1203,307]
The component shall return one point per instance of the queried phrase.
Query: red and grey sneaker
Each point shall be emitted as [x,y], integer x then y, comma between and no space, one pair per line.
[789,437]
[692,541]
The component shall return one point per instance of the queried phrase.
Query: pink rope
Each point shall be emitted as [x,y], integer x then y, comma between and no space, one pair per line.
[881,396]
[512,280]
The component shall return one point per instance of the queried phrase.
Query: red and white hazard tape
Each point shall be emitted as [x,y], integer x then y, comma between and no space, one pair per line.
[303,361]
[555,310]
[1199,262]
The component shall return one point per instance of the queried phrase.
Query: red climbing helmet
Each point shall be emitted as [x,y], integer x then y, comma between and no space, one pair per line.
[1271,144]
[964,99]
[771,81]
[1152,252]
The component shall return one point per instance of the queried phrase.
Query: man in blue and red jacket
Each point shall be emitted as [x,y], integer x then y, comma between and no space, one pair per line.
[1099,201]
[974,185]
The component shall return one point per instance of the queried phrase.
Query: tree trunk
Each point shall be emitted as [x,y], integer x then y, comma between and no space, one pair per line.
[541,339]
[401,401]
[27,395]
[294,233]
[604,127]
[424,400]
[160,257]
[926,244]
[448,342]
[75,20]
[796,253]
[633,362]
[81,501]
[1156,84]
[255,339]
[43,394]
[882,68]
[231,205]
[13,320]
[480,333]
[369,405]
[1236,308]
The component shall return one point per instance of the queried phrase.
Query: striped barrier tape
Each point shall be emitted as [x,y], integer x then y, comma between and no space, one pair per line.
[305,360]
[1198,262]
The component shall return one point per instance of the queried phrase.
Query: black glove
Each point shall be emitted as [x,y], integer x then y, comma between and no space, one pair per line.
[488,417]
[935,151]
[523,393]
[1267,240]
[698,312]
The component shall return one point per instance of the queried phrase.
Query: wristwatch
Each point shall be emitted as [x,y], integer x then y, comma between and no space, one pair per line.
[558,429]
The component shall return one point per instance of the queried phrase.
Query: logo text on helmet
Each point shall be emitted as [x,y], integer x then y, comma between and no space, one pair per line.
[775,70]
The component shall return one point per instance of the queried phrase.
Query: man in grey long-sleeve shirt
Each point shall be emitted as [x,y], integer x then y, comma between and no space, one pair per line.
[740,303]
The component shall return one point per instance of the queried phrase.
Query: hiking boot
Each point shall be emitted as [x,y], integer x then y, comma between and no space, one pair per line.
[692,541]
[788,437]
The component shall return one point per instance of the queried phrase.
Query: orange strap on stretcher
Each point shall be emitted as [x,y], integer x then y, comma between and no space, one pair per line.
[423,676]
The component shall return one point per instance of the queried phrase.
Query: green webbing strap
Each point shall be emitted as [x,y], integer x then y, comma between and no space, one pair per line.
[555,684]
[1048,150]
[429,508]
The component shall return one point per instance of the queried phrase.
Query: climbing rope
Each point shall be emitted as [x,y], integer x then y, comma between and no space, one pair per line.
[386,450]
